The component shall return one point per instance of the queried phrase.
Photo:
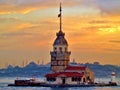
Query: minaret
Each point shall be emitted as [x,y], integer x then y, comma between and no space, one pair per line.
[60,56]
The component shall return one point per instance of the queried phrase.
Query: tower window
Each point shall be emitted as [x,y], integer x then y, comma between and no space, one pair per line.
[55,49]
[60,48]
[65,49]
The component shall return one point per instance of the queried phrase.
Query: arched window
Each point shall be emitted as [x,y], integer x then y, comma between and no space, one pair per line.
[65,49]
[55,49]
[60,48]
[83,79]
[76,79]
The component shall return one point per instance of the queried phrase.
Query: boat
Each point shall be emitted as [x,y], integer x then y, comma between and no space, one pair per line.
[30,82]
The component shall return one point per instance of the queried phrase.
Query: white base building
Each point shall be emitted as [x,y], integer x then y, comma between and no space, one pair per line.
[71,75]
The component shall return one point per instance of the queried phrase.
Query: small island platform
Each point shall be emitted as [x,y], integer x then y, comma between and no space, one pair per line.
[43,84]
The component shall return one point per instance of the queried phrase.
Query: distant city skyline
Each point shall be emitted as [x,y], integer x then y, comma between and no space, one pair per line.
[28,29]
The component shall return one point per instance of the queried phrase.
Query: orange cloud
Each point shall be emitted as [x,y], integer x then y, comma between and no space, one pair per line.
[32,35]
[26,6]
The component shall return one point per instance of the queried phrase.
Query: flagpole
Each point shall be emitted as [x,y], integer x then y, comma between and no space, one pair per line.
[60,17]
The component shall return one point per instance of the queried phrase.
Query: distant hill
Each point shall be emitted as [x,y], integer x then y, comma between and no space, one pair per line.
[104,70]
[35,70]
[30,70]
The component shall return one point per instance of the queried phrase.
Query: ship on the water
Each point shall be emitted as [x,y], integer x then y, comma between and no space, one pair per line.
[62,73]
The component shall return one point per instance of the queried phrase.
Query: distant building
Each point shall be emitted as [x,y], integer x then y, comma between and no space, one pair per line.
[73,62]
[61,71]
[87,63]
[96,63]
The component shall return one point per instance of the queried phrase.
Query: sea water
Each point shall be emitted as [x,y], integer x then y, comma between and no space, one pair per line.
[4,81]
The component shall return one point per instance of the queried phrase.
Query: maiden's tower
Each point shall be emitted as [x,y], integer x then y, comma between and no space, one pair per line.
[61,71]
[60,56]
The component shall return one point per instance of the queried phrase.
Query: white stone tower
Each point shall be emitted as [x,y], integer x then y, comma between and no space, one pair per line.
[113,77]
[60,56]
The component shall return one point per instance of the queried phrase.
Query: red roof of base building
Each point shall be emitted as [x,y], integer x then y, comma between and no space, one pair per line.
[66,74]
[76,68]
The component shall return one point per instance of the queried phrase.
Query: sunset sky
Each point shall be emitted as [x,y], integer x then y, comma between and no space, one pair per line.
[28,29]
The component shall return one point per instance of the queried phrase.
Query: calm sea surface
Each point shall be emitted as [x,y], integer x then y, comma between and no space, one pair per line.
[5,81]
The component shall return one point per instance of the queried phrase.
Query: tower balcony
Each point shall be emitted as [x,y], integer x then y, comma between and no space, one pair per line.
[53,53]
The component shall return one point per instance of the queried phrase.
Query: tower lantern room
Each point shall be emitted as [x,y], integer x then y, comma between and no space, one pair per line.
[60,56]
